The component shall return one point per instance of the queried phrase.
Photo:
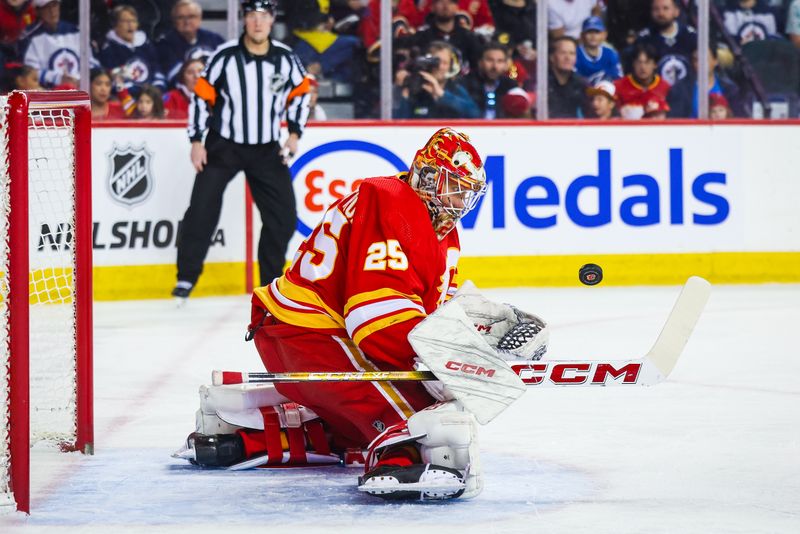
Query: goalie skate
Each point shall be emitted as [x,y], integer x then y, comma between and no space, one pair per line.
[414,482]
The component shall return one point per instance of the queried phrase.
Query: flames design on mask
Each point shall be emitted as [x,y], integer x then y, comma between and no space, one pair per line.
[447,174]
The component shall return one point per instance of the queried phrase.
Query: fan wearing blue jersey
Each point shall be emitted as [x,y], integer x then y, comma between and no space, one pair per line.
[596,60]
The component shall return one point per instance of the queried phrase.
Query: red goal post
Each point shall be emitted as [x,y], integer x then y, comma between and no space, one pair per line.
[46,281]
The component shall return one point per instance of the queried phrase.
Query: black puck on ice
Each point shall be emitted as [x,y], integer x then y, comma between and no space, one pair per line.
[590,274]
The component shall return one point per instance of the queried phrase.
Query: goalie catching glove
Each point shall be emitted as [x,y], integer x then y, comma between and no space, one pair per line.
[509,331]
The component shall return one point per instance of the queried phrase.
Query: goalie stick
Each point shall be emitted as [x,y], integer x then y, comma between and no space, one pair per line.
[648,370]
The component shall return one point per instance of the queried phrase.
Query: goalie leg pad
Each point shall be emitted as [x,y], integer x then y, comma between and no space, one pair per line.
[444,439]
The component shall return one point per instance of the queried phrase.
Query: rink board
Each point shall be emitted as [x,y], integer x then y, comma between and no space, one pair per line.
[652,204]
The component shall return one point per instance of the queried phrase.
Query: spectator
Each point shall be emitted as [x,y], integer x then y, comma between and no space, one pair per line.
[326,54]
[15,16]
[718,108]
[682,98]
[129,50]
[601,100]
[435,94]
[185,40]
[596,60]
[655,108]
[566,89]
[52,46]
[403,13]
[103,107]
[517,104]
[641,85]
[442,26]
[476,14]
[564,17]
[488,84]
[20,77]
[515,21]
[793,23]
[176,101]
[749,20]
[150,104]
[673,41]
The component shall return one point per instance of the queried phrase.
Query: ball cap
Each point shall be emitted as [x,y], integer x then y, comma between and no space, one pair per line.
[516,102]
[42,3]
[593,24]
[603,87]
[268,6]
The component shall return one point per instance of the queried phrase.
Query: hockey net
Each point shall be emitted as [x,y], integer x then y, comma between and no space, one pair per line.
[45,284]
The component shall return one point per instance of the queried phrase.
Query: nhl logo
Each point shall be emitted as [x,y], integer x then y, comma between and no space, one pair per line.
[130,179]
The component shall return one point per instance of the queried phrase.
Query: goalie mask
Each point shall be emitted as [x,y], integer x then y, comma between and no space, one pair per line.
[448,176]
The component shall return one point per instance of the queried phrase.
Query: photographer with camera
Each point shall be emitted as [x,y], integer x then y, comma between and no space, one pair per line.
[429,87]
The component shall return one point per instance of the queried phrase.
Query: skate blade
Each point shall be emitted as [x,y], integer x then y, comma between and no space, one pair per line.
[184,453]
[435,485]
[180,302]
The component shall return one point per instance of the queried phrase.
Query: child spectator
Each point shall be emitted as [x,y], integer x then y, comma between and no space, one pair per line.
[636,89]
[127,51]
[718,108]
[176,101]
[103,107]
[672,40]
[149,105]
[15,16]
[596,60]
[566,92]
[749,20]
[601,100]
[20,77]
[564,17]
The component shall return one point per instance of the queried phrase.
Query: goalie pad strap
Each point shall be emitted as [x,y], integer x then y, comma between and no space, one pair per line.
[317,437]
[272,435]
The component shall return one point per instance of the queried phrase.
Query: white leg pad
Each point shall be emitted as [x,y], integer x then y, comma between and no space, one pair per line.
[232,398]
[451,440]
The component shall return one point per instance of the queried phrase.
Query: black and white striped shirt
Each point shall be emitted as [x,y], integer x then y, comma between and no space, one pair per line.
[243,97]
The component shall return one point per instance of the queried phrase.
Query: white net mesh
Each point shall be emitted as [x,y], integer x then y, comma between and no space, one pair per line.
[51,218]
[51,191]
[5,490]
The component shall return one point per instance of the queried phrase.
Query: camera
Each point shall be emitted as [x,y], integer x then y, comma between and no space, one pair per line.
[420,64]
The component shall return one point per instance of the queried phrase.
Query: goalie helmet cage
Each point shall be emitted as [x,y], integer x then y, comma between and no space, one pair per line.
[46,281]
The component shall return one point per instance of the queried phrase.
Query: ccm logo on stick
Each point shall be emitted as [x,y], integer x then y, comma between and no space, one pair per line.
[469,368]
[576,373]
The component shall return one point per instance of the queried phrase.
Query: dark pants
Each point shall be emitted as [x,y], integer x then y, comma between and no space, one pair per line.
[271,185]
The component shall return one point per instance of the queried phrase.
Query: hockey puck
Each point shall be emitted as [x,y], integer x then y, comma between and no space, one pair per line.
[590,274]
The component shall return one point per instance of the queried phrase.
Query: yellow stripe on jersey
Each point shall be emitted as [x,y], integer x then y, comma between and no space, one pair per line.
[355,300]
[304,296]
[374,326]
[311,319]
[387,388]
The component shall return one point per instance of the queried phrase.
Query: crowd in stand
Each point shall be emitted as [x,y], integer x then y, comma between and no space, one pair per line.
[632,59]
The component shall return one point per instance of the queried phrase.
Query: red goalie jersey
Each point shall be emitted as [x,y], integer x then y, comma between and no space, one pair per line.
[373,268]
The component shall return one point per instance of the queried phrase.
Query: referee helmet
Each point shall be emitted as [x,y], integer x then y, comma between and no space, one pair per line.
[268,6]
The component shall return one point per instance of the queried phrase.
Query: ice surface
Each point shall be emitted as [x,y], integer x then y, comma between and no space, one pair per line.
[716,448]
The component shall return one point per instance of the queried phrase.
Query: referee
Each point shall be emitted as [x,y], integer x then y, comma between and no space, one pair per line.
[240,101]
